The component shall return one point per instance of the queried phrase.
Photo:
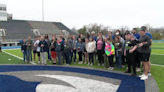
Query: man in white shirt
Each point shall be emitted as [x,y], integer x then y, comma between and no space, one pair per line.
[37,48]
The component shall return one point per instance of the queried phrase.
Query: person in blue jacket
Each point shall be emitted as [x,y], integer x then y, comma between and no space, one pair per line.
[79,48]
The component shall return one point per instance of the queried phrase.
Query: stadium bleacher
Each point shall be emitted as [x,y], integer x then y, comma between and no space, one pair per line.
[20,29]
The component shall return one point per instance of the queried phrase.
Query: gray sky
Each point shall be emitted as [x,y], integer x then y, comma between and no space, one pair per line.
[76,13]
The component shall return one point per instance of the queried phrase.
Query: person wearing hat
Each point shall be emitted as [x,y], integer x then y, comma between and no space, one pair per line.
[144,51]
[131,57]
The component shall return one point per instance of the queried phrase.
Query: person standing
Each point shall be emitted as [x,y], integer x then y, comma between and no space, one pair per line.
[59,49]
[35,48]
[48,49]
[118,54]
[144,50]
[29,49]
[131,56]
[66,51]
[44,45]
[80,47]
[38,48]
[136,35]
[91,47]
[108,46]
[100,46]
[53,52]
[24,50]
[74,42]
[85,51]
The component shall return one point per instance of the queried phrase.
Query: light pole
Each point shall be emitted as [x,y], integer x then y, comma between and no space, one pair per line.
[42,10]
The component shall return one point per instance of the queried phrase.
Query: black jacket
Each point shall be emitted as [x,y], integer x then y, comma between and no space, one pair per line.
[44,48]
[54,45]
[23,46]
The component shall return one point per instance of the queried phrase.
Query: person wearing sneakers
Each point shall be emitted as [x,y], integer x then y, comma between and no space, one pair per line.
[43,45]
[100,46]
[53,52]
[38,48]
[108,46]
[66,51]
[85,51]
[91,47]
[74,42]
[80,47]
[144,50]
[35,48]
[131,56]
[24,50]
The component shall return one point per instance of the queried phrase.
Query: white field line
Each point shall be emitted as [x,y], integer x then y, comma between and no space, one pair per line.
[11,49]
[157,65]
[156,54]
[17,57]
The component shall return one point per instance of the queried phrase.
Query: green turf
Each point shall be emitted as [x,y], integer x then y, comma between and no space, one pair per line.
[157,73]
[157,59]
[4,59]
[157,51]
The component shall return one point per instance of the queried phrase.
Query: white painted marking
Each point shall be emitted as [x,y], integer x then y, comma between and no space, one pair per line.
[80,84]
[157,65]
[156,54]
[18,57]
[12,49]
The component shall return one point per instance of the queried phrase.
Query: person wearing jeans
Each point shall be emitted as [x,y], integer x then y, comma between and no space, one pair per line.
[80,47]
[48,49]
[29,49]
[59,49]
[24,50]
[43,45]
[73,52]
[118,51]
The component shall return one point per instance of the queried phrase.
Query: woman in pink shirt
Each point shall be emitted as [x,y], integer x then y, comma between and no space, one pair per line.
[100,46]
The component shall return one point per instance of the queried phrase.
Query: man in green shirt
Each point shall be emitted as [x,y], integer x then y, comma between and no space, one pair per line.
[29,48]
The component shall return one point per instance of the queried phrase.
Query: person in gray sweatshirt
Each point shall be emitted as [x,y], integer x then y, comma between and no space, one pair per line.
[73,50]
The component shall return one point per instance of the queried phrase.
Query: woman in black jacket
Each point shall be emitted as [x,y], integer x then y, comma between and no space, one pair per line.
[24,50]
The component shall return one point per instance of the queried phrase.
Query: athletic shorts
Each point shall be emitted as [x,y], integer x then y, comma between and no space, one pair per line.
[53,54]
[144,57]
[34,51]
[38,53]
[0,49]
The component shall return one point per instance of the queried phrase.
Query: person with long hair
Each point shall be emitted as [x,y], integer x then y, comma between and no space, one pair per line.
[53,52]
[85,51]
[100,46]
[80,47]
[118,50]
[91,47]
[48,49]
[74,42]
[66,51]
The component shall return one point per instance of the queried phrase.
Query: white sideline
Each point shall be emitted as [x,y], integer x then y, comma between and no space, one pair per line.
[157,54]
[17,57]
[157,65]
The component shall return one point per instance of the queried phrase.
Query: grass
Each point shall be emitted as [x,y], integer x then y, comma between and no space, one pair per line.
[157,71]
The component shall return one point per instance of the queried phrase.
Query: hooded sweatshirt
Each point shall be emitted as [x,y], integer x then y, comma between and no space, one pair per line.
[90,47]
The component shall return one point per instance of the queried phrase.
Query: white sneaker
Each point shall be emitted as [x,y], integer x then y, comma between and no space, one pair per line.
[67,64]
[149,74]
[74,62]
[141,75]
[109,68]
[102,64]
[123,66]
[98,64]
[91,64]
[112,68]
[144,77]
[85,63]
[138,69]
[88,63]
[38,62]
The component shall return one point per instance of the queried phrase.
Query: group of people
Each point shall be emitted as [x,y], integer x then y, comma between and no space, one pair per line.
[130,48]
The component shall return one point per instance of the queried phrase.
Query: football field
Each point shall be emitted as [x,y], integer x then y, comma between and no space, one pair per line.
[15,56]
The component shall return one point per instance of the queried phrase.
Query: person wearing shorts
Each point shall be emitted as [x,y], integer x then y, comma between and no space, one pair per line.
[53,52]
[35,49]
[144,51]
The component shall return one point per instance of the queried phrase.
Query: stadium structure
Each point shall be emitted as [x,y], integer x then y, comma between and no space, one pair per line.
[12,31]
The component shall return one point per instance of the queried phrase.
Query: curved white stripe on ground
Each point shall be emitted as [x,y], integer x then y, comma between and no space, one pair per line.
[80,84]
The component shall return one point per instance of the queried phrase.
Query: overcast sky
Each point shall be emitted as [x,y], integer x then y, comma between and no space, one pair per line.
[76,13]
